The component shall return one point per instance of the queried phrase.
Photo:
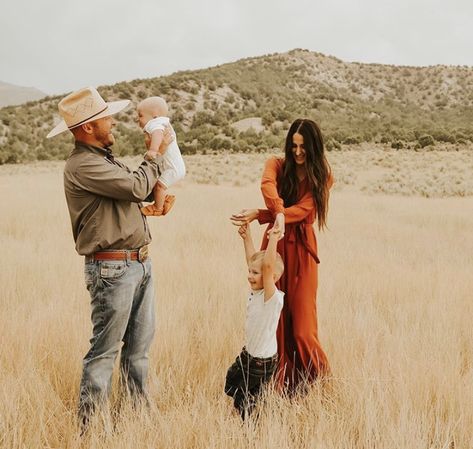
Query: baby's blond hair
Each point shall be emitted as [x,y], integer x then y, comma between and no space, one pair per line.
[155,106]
[278,265]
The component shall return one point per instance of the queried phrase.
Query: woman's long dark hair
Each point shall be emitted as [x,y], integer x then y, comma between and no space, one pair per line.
[316,164]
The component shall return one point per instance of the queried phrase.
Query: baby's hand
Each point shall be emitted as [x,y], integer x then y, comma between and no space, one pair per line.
[243,230]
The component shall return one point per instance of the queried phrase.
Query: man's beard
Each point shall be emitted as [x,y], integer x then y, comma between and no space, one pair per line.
[105,138]
[111,140]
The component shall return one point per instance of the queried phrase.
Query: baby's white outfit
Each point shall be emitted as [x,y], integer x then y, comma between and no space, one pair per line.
[261,323]
[172,167]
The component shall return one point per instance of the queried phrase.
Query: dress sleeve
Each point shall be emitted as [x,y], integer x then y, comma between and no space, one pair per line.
[275,203]
[265,216]
[269,186]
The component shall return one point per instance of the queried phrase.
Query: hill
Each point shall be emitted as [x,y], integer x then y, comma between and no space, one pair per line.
[405,107]
[14,95]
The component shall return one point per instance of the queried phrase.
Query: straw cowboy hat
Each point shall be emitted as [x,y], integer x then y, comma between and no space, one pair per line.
[84,106]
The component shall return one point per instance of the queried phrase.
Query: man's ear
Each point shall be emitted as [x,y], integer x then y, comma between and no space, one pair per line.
[88,128]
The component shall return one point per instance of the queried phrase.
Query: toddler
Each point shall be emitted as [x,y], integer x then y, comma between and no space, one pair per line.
[258,360]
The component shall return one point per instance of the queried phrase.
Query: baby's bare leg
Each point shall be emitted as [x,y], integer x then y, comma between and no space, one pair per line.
[159,192]
[162,202]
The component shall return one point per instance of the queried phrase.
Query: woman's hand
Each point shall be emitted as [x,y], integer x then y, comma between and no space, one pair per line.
[245,216]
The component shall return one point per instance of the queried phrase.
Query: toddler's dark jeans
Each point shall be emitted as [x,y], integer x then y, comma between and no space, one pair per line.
[246,378]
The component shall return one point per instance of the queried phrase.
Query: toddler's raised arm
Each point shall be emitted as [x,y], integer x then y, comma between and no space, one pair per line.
[269,262]
[245,234]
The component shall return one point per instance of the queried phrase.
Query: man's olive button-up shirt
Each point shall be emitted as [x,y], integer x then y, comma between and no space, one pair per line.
[104,198]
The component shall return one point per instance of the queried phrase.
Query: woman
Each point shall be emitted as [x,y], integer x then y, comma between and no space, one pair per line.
[296,193]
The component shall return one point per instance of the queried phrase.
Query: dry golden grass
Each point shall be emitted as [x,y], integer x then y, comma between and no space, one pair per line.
[437,173]
[394,315]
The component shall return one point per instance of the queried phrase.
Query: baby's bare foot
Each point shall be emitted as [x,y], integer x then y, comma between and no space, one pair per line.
[152,211]
[168,203]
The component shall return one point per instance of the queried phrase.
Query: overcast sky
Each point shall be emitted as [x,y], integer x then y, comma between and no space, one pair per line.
[63,45]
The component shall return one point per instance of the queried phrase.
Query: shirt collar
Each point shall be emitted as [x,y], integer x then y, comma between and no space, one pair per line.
[256,292]
[106,152]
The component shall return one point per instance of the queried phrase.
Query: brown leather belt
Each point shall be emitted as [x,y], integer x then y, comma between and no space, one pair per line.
[119,254]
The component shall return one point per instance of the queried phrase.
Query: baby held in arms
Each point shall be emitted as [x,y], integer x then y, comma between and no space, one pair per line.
[153,119]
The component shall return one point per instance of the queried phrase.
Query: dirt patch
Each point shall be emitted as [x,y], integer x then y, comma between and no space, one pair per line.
[255,123]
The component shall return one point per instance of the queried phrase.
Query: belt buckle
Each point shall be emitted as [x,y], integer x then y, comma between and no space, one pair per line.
[143,253]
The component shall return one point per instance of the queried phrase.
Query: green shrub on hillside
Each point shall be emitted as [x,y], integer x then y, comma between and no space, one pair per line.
[353,103]
[425,140]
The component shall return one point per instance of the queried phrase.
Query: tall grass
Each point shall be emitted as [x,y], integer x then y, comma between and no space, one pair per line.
[394,304]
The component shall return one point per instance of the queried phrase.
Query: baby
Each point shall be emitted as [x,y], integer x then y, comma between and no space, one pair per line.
[153,119]
[258,360]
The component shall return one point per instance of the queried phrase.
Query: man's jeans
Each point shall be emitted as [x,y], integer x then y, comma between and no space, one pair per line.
[122,300]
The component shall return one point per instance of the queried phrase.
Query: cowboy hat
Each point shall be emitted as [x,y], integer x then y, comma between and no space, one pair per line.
[84,106]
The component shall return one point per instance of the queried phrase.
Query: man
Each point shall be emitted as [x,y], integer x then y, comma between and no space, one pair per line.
[103,197]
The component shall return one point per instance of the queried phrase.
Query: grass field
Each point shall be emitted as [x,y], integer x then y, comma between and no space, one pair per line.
[395,307]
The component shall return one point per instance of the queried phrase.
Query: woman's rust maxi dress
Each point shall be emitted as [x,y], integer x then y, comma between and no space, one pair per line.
[300,355]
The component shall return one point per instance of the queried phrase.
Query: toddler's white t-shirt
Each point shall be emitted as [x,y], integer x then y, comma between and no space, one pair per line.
[261,323]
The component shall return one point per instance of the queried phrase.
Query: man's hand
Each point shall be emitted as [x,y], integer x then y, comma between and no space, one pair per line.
[168,137]
[147,140]
[150,155]
[245,216]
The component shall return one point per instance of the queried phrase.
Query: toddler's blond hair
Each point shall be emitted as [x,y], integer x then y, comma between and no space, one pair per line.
[278,266]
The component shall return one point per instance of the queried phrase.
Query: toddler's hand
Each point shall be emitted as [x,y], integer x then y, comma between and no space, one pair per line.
[279,225]
[275,232]
[243,231]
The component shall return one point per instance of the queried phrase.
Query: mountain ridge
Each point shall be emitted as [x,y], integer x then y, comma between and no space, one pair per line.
[401,106]
[13,95]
